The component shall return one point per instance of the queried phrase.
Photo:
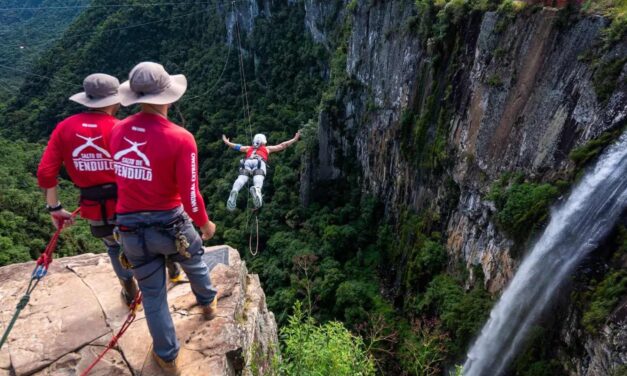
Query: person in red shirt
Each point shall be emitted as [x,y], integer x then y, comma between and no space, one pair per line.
[254,165]
[156,166]
[78,142]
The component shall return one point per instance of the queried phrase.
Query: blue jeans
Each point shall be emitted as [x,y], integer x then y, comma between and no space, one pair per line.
[113,249]
[145,248]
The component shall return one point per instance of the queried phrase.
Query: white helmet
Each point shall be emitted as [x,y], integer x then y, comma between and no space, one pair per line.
[259,140]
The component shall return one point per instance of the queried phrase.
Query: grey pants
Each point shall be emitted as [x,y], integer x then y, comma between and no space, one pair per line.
[145,249]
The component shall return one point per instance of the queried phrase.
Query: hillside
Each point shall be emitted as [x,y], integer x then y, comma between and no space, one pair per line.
[27,28]
[437,136]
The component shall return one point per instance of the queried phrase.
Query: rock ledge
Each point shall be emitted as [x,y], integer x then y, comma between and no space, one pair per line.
[77,307]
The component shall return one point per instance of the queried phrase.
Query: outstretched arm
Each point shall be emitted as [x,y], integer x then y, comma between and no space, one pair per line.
[284,145]
[237,147]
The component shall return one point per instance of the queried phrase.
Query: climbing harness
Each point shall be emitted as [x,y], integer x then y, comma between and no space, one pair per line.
[176,226]
[41,269]
[99,194]
[114,340]
[252,172]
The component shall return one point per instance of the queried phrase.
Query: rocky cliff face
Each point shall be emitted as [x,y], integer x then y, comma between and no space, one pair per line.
[522,98]
[244,13]
[77,307]
[502,93]
[601,354]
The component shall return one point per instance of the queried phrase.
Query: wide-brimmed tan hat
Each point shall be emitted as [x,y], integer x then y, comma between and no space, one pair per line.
[149,83]
[101,90]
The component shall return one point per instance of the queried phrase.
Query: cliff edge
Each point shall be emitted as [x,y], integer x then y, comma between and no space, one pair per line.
[76,309]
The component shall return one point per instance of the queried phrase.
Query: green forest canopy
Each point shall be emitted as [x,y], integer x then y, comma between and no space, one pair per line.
[26,31]
[327,254]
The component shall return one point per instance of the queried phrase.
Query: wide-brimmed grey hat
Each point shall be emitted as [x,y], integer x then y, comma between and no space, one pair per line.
[101,90]
[149,83]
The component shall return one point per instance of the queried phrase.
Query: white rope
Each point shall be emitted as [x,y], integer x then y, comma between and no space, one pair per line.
[215,84]
[247,115]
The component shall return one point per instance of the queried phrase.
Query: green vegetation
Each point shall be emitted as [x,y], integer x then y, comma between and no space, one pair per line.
[511,7]
[352,5]
[616,10]
[494,80]
[599,291]
[440,19]
[338,76]
[606,77]
[330,254]
[608,292]
[605,296]
[508,10]
[26,33]
[424,352]
[620,370]
[462,313]
[327,349]
[25,226]
[585,153]
[538,356]
[616,31]
[523,207]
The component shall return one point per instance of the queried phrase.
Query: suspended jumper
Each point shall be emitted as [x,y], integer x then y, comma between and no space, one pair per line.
[254,165]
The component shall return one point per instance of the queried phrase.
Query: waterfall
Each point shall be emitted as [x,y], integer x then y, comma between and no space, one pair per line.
[575,229]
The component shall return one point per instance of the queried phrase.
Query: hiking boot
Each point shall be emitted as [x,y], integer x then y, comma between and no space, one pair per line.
[175,273]
[171,368]
[231,204]
[210,311]
[257,198]
[129,290]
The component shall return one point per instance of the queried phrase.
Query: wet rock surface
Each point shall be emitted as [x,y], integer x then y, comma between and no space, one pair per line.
[77,307]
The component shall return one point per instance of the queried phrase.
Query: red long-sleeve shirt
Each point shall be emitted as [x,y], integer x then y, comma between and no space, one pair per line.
[78,142]
[156,166]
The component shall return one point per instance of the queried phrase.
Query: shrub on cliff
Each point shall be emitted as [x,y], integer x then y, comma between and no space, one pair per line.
[328,349]
[522,207]
[461,312]
[604,298]
[424,352]
[590,150]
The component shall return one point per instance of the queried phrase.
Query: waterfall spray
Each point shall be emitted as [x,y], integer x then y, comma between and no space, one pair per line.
[575,229]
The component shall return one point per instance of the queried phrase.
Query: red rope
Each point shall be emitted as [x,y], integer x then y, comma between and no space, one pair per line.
[45,259]
[40,271]
[114,340]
